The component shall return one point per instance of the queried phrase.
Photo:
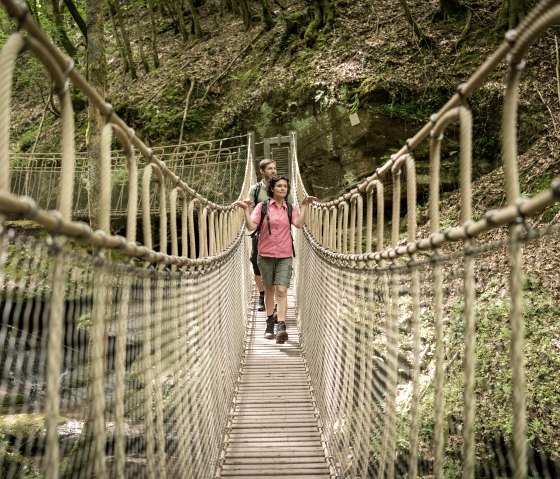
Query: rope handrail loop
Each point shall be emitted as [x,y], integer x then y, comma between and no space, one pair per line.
[19,11]
[538,15]
[59,77]
[154,168]
[8,55]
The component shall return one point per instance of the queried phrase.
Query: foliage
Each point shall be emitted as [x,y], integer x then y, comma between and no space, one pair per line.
[247,77]
[22,425]
[493,375]
[13,463]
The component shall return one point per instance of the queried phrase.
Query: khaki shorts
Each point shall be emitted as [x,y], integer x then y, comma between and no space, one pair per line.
[275,270]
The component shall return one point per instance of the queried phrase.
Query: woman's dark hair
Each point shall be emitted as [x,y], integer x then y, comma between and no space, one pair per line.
[273,181]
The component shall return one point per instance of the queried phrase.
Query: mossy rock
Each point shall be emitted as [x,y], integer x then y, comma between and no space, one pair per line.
[25,425]
[22,425]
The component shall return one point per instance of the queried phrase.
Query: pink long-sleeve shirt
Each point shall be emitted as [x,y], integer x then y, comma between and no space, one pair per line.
[278,244]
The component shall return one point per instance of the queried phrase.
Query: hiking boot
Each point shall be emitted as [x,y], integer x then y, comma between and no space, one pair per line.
[261,306]
[269,333]
[281,333]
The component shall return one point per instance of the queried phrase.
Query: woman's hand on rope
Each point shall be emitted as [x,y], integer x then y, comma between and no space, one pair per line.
[244,205]
[308,200]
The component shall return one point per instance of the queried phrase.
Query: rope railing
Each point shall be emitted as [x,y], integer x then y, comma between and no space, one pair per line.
[120,357]
[36,175]
[380,323]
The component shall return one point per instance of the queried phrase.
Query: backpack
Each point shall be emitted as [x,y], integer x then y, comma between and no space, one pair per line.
[264,213]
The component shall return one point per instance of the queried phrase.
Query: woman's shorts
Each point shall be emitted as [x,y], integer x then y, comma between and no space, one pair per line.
[275,271]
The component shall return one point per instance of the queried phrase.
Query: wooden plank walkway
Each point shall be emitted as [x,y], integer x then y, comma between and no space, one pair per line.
[275,432]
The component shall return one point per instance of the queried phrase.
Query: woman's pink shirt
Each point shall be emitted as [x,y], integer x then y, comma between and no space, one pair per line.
[278,244]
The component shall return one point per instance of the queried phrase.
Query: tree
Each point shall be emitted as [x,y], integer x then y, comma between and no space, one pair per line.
[448,9]
[62,35]
[267,14]
[196,28]
[77,17]
[140,38]
[322,12]
[96,74]
[512,12]
[155,54]
[245,13]
[120,45]
[126,42]
[423,39]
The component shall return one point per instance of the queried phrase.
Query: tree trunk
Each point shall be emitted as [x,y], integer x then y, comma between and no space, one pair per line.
[140,38]
[323,16]
[62,36]
[34,10]
[312,30]
[511,13]
[120,46]
[126,40]
[155,55]
[245,13]
[267,14]
[97,72]
[195,19]
[423,39]
[77,17]
[449,9]
[327,7]
[180,20]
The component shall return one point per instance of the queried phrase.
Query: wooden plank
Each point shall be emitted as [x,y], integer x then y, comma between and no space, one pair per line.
[306,454]
[277,460]
[275,475]
[266,468]
[274,430]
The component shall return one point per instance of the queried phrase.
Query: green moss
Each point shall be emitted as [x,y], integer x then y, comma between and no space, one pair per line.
[247,77]
[531,184]
[15,400]
[24,425]
[493,373]
[550,213]
[14,464]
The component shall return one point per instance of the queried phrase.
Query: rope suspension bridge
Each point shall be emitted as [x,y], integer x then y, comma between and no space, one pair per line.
[120,360]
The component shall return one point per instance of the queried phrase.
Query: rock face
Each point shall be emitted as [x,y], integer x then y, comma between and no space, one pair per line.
[338,147]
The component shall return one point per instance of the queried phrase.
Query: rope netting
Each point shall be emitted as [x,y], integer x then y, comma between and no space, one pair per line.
[119,358]
[422,353]
[148,362]
[213,168]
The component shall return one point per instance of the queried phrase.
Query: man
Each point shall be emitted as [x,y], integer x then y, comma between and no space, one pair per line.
[257,194]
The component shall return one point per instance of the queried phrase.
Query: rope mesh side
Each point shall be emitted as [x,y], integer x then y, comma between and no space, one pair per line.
[127,367]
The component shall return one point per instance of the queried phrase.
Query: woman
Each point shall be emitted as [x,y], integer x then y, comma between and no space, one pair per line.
[275,248]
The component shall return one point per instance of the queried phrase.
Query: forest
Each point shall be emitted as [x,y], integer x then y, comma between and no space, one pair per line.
[180,71]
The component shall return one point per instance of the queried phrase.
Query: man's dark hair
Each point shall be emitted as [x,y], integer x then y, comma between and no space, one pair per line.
[273,181]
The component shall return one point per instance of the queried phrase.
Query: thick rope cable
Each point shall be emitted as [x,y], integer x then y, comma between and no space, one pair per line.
[415,327]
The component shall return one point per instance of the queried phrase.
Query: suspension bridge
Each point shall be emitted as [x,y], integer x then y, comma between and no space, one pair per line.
[122,360]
